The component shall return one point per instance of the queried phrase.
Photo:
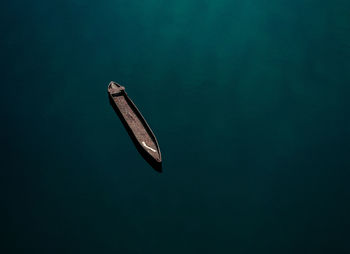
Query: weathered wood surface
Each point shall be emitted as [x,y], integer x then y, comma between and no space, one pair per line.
[137,127]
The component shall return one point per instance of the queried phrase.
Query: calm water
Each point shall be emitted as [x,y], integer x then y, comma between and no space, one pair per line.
[249,101]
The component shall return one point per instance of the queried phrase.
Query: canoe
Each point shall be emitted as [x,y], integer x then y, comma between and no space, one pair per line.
[135,124]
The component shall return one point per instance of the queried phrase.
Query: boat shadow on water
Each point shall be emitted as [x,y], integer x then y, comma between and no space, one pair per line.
[156,166]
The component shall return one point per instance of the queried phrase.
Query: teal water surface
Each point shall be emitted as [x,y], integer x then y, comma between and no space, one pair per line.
[249,101]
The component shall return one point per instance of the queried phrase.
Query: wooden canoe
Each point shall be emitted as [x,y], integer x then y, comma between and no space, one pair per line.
[137,127]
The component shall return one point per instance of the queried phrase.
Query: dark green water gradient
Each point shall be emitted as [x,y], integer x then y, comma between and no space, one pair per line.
[249,101]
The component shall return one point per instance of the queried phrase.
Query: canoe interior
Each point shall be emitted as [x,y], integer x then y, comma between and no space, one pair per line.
[137,127]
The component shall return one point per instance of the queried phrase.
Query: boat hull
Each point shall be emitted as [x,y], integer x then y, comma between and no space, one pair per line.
[136,126]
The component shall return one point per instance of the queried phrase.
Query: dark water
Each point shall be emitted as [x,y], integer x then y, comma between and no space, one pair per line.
[249,101]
